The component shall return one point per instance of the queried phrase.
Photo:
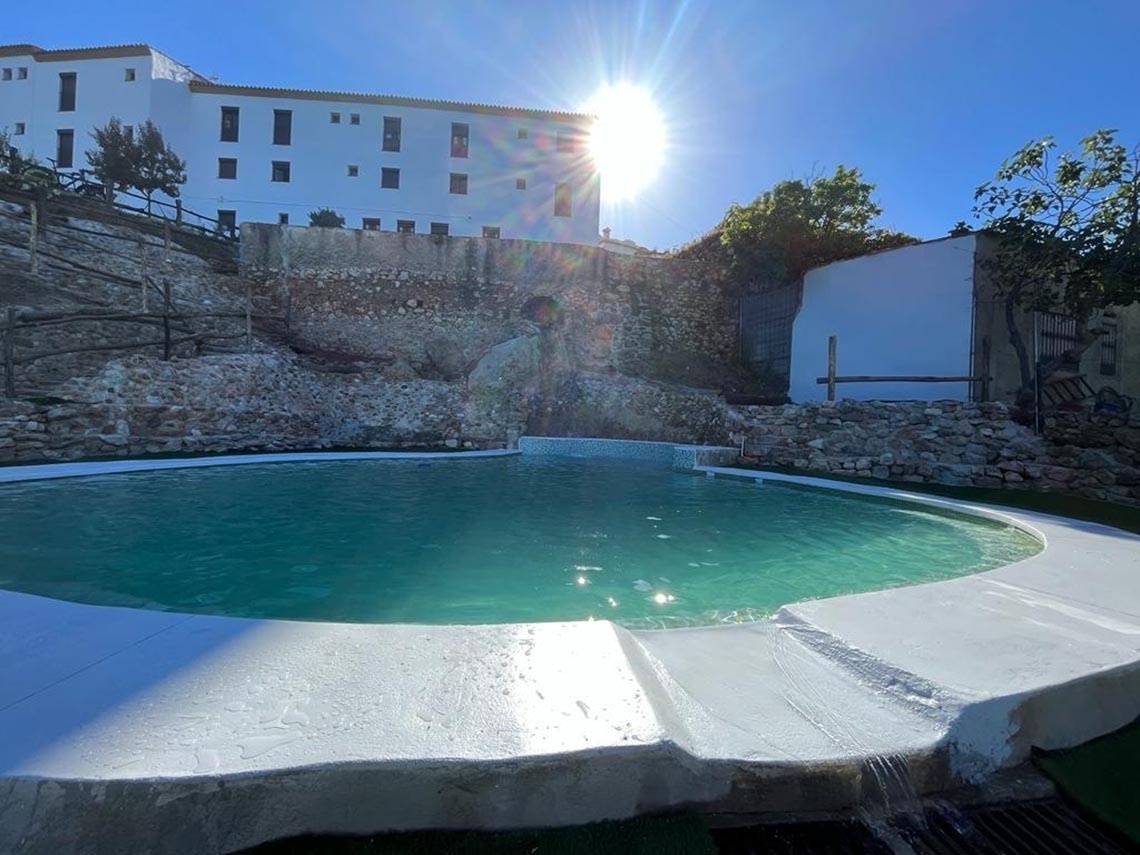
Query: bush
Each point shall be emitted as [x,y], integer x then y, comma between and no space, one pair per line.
[326,218]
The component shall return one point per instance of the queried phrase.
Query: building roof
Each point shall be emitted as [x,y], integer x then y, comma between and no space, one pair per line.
[202,85]
[394,100]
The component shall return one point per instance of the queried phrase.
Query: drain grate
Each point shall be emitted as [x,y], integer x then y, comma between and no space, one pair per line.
[1041,827]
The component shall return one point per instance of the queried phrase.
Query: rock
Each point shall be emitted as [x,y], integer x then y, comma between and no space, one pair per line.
[451,442]
[817,444]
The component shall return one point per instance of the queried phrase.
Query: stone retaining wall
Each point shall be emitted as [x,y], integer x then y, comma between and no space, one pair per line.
[947,442]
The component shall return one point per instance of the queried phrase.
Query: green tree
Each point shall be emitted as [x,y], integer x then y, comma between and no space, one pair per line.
[1068,229]
[141,160]
[326,218]
[113,158]
[798,225]
[158,168]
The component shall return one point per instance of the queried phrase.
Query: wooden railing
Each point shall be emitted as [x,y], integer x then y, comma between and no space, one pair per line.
[833,377]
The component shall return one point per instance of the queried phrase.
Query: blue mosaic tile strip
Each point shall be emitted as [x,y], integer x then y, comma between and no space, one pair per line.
[678,456]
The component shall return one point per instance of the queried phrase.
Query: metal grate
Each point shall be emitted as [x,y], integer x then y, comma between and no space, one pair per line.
[1108,346]
[766,332]
[1058,334]
[1041,827]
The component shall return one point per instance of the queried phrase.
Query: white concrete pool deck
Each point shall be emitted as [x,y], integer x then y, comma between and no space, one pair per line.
[197,733]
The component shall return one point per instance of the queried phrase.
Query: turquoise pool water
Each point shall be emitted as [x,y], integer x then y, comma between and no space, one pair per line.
[471,541]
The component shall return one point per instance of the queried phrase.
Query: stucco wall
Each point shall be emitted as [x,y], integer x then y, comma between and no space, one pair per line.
[902,312]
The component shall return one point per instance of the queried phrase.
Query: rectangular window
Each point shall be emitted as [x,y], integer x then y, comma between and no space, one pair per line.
[19,129]
[281,171]
[67,92]
[406,227]
[5,74]
[353,170]
[282,127]
[371,224]
[229,124]
[523,133]
[1058,334]
[129,75]
[282,219]
[562,199]
[227,222]
[491,232]
[439,229]
[227,167]
[22,73]
[391,133]
[520,183]
[568,142]
[459,183]
[354,118]
[1108,346]
[460,137]
[64,143]
[390,178]
[334,118]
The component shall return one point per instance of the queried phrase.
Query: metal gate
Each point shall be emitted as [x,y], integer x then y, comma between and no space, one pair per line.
[766,333]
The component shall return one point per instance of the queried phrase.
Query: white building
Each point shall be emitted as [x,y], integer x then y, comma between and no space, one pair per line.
[274,155]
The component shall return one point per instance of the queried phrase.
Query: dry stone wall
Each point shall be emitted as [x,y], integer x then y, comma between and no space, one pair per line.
[947,442]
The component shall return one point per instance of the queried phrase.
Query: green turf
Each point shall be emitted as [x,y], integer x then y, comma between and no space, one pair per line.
[665,835]
[1101,776]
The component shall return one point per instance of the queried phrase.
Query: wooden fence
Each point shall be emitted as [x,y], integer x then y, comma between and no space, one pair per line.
[834,378]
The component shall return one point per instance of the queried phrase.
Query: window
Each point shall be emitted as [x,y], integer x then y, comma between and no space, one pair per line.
[523,133]
[18,130]
[5,74]
[390,178]
[459,183]
[353,170]
[227,221]
[520,183]
[439,229]
[129,75]
[22,73]
[354,118]
[64,143]
[67,92]
[460,137]
[562,199]
[391,133]
[1058,334]
[282,219]
[568,142]
[281,171]
[334,118]
[1108,346]
[227,167]
[491,232]
[406,227]
[371,224]
[282,127]
[229,124]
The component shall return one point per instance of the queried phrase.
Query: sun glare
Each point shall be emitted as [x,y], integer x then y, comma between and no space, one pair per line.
[628,140]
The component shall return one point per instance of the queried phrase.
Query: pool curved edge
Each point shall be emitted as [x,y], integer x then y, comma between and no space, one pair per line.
[193,732]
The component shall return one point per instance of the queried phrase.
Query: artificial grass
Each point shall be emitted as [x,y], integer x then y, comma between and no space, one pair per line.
[1103,777]
[658,835]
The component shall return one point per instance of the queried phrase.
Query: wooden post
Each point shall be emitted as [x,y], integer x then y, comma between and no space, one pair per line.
[166,318]
[32,237]
[248,317]
[10,354]
[41,204]
[831,368]
[985,368]
[142,273]
[178,211]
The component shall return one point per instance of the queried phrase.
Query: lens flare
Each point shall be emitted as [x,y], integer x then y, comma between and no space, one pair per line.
[628,140]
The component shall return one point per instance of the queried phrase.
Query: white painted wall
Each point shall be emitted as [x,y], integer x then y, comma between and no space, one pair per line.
[320,152]
[906,311]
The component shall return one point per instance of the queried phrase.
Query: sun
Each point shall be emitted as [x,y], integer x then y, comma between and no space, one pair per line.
[628,139]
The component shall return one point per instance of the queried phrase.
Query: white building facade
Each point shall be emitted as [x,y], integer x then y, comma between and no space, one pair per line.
[274,155]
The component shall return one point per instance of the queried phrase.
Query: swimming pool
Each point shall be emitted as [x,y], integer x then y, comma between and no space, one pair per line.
[515,539]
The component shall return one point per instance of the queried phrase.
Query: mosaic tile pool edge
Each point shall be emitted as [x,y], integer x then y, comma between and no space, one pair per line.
[677,456]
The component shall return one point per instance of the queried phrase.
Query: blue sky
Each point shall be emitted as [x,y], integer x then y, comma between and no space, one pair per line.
[925,96]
